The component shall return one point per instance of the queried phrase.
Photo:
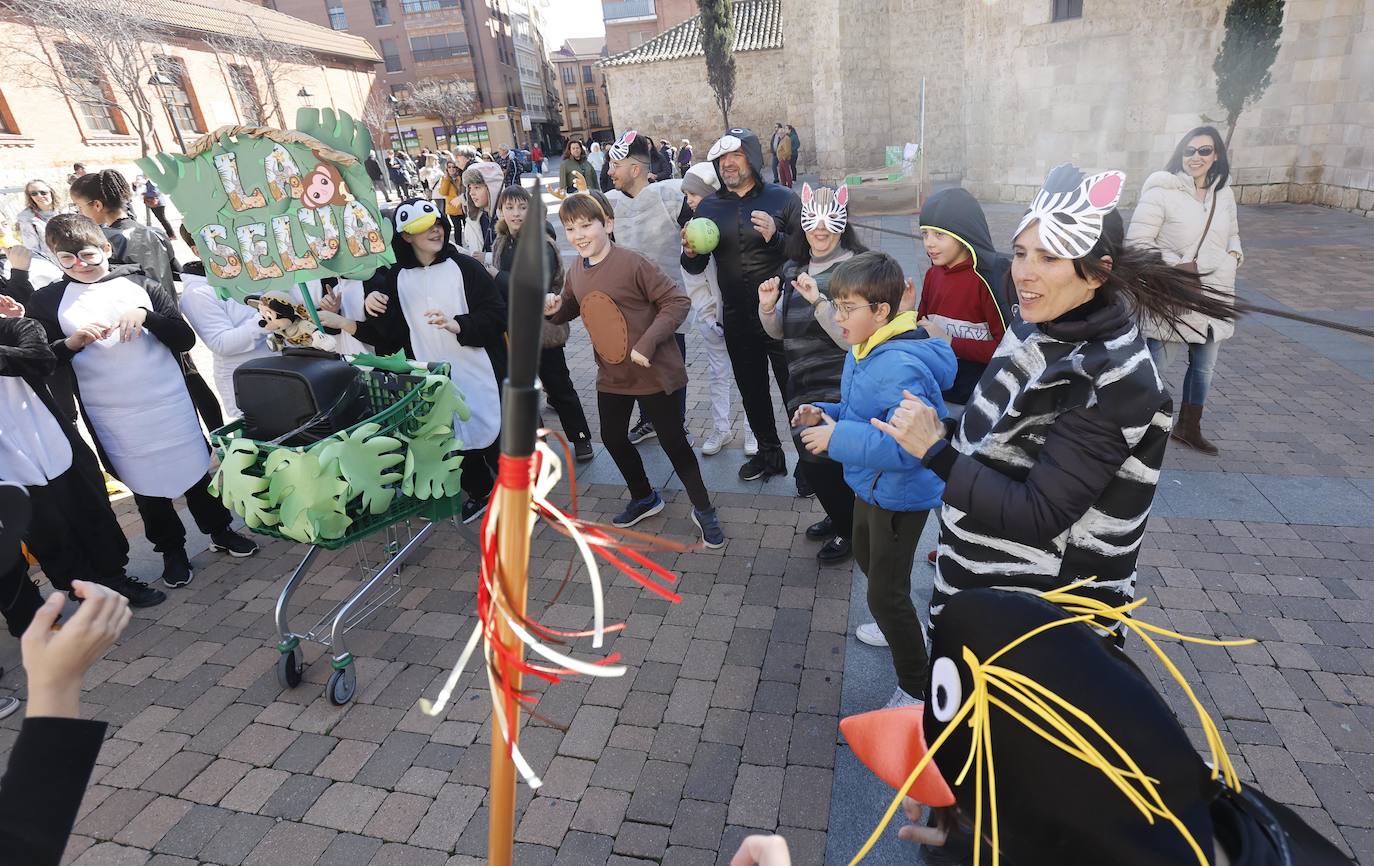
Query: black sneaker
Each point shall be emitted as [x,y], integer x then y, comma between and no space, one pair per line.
[176,568]
[137,592]
[804,490]
[230,542]
[823,529]
[642,432]
[472,509]
[638,510]
[582,450]
[711,534]
[763,465]
[835,550]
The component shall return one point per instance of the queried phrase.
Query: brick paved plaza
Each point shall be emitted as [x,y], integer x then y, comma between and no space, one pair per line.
[727,720]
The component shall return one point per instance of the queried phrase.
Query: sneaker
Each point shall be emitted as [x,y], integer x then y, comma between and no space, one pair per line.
[763,466]
[835,550]
[137,592]
[582,450]
[176,568]
[8,706]
[930,557]
[472,509]
[804,490]
[870,634]
[901,699]
[751,444]
[639,509]
[230,542]
[642,432]
[711,534]
[716,441]
[823,529]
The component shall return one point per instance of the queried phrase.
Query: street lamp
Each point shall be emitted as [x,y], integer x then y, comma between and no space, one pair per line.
[397,120]
[305,95]
[161,81]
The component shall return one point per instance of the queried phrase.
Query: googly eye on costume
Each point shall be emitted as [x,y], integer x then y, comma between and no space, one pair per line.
[416,216]
[946,692]
[621,148]
[1070,208]
[727,143]
[826,207]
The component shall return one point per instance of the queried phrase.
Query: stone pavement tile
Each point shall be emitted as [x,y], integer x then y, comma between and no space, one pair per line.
[159,816]
[450,815]
[734,690]
[712,764]
[392,854]
[590,730]
[398,816]
[110,854]
[619,769]
[689,702]
[349,849]
[646,841]
[114,813]
[291,843]
[226,726]
[1302,737]
[698,824]
[424,781]
[1278,775]
[756,795]
[145,724]
[1342,728]
[193,831]
[675,743]
[584,849]
[179,771]
[656,796]
[601,810]
[215,781]
[347,758]
[643,709]
[725,726]
[767,739]
[678,855]
[806,798]
[76,846]
[236,839]
[259,745]
[567,778]
[345,806]
[371,723]
[305,753]
[386,765]
[545,822]
[254,790]
[145,760]
[295,797]
[813,740]
[807,846]
[1341,794]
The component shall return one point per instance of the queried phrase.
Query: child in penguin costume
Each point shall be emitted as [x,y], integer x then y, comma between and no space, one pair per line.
[438,304]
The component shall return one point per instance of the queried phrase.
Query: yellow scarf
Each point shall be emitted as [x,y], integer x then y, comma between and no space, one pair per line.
[900,324]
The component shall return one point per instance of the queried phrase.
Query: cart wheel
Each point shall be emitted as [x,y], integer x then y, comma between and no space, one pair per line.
[289,667]
[342,685]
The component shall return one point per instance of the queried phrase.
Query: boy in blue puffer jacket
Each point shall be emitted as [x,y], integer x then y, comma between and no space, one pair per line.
[893,491]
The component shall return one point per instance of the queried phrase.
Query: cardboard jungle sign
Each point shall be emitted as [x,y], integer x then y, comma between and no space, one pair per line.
[270,209]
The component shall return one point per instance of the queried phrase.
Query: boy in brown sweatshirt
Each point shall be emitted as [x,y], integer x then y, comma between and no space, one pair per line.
[631,309]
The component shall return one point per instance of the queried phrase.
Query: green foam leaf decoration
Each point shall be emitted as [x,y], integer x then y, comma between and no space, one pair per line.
[238,490]
[432,467]
[445,401]
[396,362]
[364,460]
[310,502]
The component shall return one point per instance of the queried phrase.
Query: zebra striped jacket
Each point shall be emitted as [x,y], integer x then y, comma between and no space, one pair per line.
[1051,472]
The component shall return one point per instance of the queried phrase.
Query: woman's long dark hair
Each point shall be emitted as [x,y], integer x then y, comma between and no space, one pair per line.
[1152,287]
[107,186]
[567,148]
[799,251]
[1221,169]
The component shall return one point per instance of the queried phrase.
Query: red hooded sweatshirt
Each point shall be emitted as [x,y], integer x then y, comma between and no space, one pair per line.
[957,300]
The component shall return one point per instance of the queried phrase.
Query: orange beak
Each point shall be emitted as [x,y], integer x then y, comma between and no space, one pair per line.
[891,743]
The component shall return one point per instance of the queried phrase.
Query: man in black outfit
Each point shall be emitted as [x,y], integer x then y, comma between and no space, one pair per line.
[753,217]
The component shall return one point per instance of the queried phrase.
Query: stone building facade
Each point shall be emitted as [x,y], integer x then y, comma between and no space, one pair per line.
[1010,91]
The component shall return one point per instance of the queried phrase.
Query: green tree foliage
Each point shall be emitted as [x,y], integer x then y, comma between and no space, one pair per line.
[718,40]
[1248,49]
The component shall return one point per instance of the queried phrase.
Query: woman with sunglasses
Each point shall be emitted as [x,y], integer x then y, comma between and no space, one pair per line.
[1188,213]
[41,204]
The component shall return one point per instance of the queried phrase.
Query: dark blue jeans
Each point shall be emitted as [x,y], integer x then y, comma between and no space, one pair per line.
[1202,361]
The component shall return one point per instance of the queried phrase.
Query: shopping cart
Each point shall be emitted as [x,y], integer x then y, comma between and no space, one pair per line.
[381,543]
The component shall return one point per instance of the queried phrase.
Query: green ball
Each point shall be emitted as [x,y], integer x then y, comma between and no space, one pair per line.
[702,234]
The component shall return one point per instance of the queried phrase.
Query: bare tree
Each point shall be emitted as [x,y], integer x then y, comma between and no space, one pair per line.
[94,54]
[376,115]
[277,61]
[452,101]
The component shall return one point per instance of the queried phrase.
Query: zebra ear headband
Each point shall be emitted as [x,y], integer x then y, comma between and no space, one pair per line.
[621,148]
[825,207]
[1070,208]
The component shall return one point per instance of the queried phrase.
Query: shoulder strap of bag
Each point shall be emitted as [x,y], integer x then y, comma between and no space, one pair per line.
[1207,226]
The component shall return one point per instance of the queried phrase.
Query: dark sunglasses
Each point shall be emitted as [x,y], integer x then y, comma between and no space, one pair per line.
[1205,150]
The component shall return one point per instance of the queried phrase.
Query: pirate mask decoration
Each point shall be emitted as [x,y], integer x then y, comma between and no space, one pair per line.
[1070,207]
[825,207]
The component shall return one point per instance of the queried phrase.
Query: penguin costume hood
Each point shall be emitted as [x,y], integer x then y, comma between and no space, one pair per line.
[735,139]
[415,216]
[1062,751]
[956,212]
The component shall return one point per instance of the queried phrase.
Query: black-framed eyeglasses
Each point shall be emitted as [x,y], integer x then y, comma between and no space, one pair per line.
[1205,150]
[844,311]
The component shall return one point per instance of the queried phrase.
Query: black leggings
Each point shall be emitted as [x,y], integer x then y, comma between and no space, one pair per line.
[562,394]
[827,479]
[162,525]
[680,393]
[663,412]
[480,466]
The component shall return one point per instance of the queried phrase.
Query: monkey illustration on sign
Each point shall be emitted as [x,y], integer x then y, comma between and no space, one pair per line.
[324,186]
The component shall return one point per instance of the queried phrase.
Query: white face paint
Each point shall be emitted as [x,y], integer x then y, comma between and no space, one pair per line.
[1070,208]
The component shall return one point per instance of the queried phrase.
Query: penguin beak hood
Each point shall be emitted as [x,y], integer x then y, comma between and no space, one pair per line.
[420,224]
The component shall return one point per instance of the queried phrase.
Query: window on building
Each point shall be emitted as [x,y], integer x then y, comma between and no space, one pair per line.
[569,75]
[593,117]
[410,7]
[401,91]
[639,37]
[381,16]
[439,46]
[575,119]
[587,74]
[338,19]
[571,98]
[391,55]
[177,93]
[1066,10]
[246,94]
[90,89]
[591,96]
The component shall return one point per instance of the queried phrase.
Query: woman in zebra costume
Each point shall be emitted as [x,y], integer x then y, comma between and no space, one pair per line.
[1051,471]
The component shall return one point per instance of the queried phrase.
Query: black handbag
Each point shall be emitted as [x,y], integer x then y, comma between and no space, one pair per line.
[299,397]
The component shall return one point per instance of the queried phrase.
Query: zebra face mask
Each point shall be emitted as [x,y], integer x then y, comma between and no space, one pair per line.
[1070,208]
[826,207]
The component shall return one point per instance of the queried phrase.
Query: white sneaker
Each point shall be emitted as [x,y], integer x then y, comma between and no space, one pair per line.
[870,634]
[716,441]
[751,444]
[901,699]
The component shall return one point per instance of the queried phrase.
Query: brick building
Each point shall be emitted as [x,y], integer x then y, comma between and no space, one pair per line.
[582,90]
[200,85]
[541,117]
[421,40]
[631,23]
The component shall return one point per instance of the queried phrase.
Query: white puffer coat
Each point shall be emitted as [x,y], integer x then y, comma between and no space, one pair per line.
[1170,218]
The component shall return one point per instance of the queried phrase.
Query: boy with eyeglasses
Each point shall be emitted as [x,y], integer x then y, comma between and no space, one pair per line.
[893,492]
[121,332]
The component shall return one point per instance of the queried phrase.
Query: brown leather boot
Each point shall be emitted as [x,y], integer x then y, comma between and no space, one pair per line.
[1188,430]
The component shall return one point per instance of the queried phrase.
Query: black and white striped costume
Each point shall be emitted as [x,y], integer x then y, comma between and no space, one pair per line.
[1052,470]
